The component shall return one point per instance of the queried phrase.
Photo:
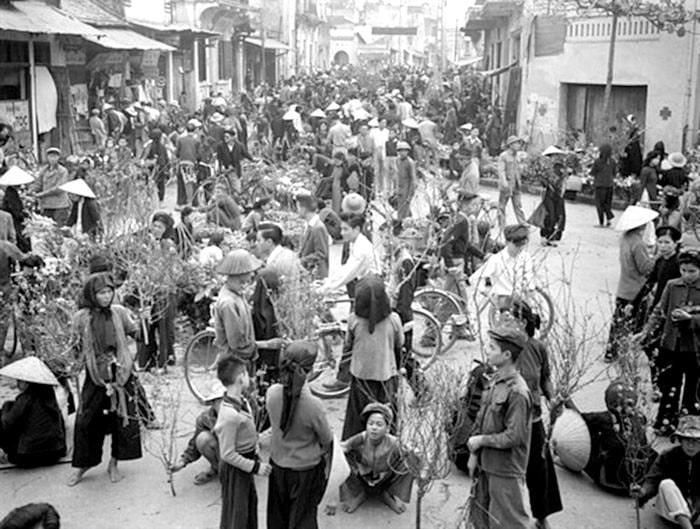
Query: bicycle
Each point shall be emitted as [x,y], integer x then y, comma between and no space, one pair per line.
[423,352]
[456,320]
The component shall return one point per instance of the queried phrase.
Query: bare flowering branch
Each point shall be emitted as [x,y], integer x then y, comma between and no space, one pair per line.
[425,427]
[161,421]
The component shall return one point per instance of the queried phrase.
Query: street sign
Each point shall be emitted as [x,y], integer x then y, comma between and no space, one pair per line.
[394,31]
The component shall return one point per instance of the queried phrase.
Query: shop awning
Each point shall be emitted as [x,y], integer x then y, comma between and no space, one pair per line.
[173,28]
[270,44]
[38,17]
[498,71]
[126,39]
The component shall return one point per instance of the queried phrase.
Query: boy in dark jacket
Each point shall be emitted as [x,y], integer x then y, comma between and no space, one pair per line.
[674,478]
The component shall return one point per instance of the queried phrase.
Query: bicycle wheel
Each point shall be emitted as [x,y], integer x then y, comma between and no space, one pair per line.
[200,366]
[447,310]
[425,325]
[540,303]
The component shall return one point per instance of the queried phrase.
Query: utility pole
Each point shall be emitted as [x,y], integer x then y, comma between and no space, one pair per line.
[442,33]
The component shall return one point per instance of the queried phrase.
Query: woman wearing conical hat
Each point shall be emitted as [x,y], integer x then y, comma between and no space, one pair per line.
[32,432]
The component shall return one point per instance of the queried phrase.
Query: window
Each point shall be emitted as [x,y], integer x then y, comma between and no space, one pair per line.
[42,53]
[13,84]
[14,51]
[225,49]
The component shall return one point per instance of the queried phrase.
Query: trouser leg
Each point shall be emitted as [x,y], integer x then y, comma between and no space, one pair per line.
[518,206]
[507,503]
[670,502]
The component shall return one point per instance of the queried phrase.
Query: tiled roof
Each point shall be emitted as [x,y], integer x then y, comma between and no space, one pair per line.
[91,12]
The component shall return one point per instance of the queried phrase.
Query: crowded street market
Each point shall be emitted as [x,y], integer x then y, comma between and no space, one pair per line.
[386,283]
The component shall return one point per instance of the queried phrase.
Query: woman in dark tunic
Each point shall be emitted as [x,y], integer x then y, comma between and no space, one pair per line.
[649,176]
[603,172]
[533,364]
[156,157]
[553,201]
[108,402]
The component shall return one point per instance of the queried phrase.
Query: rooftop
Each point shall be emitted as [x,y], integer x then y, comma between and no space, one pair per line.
[91,13]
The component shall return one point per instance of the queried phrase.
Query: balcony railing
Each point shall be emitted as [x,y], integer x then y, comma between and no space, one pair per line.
[600,28]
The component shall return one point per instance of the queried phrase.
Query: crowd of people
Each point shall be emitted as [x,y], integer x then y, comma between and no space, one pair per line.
[363,144]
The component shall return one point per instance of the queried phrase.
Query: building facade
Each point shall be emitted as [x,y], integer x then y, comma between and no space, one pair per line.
[550,72]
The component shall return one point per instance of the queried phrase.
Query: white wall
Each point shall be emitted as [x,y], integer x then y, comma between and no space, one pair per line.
[660,62]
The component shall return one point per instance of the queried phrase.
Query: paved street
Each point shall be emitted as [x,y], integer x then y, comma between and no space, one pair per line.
[142,499]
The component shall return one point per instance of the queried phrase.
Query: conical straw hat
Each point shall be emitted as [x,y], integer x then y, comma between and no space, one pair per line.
[552,149]
[16,177]
[238,262]
[318,113]
[30,369]
[78,187]
[571,440]
[333,106]
[410,123]
[634,217]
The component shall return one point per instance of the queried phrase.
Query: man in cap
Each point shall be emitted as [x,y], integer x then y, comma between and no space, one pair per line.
[233,321]
[54,203]
[501,441]
[459,244]
[511,271]
[509,180]
[405,180]
[674,478]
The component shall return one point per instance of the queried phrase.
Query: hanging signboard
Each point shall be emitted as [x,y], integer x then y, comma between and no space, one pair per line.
[75,57]
[150,58]
[16,113]
[394,30]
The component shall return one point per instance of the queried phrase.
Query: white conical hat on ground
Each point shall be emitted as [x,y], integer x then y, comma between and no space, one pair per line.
[571,440]
[318,113]
[30,369]
[552,149]
[16,177]
[78,187]
[634,217]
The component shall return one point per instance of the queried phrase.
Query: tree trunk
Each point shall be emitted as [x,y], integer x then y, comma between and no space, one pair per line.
[611,65]
[419,505]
